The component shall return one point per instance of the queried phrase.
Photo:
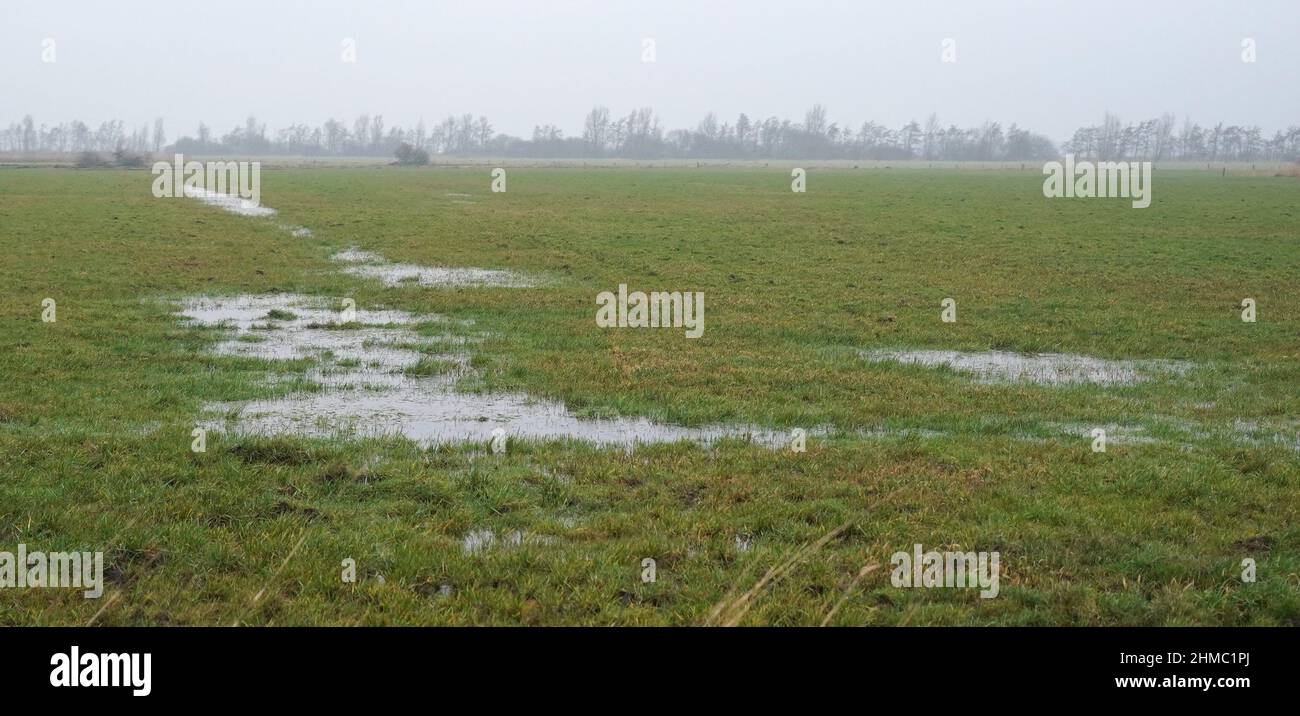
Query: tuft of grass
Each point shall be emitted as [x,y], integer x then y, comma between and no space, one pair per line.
[427,366]
[341,472]
[272,451]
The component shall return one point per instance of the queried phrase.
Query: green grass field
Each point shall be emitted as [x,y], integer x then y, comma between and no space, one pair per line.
[1202,469]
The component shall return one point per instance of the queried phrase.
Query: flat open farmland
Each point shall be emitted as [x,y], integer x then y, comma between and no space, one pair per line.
[237,409]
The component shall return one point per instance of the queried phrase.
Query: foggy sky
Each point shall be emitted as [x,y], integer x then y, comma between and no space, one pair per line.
[1044,65]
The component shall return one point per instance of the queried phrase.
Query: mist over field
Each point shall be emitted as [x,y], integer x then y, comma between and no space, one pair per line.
[953,80]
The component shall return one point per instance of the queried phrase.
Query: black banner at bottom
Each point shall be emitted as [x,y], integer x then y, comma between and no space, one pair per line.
[215,666]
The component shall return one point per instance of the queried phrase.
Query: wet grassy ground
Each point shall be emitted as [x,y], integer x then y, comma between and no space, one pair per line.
[96,409]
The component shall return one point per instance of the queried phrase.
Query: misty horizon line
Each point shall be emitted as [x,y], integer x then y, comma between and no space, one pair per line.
[640,135]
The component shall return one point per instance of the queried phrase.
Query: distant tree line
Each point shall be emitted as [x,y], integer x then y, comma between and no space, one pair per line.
[639,135]
[77,136]
[1157,139]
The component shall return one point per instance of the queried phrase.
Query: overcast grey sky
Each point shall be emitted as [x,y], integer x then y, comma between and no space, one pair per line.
[1049,66]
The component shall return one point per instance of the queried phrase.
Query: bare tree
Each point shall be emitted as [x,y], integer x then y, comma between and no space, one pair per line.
[159,137]
[814,121]
[595,129]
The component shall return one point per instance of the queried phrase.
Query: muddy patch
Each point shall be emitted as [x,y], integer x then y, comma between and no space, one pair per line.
[373,372]
[373,266]
[1038,368]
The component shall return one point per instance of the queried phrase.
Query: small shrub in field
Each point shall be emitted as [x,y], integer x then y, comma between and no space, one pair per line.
[129,160]
[409,155]
[90,160]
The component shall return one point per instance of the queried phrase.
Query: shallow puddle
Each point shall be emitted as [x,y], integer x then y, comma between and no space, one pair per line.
[1115,434]
[233,204]
[360,349]
[1252,433]
[1039,368]
[379,377]
[374,266]
[479,541]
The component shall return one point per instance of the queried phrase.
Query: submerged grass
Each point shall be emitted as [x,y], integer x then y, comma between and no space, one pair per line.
[97,409]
